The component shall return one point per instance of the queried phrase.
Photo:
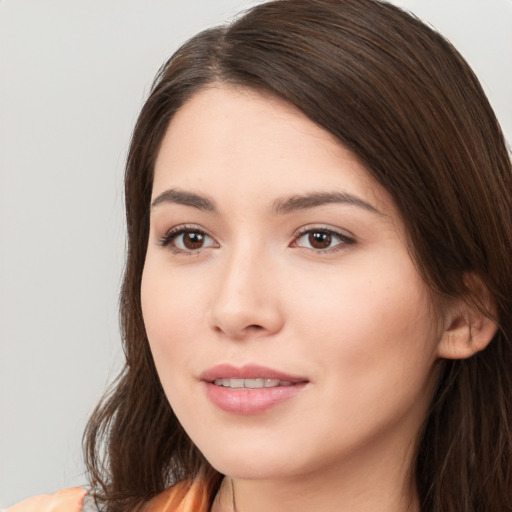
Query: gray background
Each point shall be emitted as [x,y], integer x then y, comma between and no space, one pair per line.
[73,76]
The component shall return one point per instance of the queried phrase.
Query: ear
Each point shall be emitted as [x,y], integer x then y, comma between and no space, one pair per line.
[470,322]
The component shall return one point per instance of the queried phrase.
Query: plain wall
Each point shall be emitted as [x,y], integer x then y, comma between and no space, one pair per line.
[73,76]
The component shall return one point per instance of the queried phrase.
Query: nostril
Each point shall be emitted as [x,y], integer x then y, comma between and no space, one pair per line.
[238,319]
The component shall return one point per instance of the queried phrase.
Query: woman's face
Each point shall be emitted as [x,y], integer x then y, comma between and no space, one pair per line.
[290,328]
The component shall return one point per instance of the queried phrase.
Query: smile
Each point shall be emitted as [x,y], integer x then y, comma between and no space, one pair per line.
[249,389]
[251,383]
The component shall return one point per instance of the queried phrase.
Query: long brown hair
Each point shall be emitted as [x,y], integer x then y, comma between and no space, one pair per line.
[400,97]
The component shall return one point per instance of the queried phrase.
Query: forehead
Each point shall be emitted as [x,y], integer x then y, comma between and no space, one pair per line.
[228,140]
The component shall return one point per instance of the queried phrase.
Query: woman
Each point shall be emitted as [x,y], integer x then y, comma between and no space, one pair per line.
[317,298]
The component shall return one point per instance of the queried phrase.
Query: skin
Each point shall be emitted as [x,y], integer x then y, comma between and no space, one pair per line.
[356,320]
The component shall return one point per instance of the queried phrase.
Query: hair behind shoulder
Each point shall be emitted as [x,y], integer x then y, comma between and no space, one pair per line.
[401,98]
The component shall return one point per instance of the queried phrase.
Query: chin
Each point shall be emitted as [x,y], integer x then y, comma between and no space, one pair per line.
[247,465]
[250,470]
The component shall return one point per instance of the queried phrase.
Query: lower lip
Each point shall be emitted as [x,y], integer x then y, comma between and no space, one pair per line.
[250,401]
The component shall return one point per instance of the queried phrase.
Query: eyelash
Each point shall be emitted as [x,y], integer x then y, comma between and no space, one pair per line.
[343,239]
[169,237]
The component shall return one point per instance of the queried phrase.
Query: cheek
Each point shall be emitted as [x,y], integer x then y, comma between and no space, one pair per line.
[372,329]
[171,311]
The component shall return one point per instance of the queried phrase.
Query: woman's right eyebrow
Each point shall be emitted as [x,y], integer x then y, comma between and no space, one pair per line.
[177,196]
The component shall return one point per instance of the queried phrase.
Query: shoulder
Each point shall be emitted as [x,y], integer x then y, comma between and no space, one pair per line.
[185,496]
[66,500]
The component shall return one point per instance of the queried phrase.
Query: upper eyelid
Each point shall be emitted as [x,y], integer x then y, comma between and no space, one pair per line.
[180,228]
[186,227]
[319,227]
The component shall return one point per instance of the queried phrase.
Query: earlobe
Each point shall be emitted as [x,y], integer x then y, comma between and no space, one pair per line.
[470,324]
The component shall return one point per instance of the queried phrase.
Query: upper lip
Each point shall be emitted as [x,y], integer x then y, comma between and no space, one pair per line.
[249,371]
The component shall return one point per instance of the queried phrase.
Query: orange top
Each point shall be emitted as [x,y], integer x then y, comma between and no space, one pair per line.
[185,496]
[67,500]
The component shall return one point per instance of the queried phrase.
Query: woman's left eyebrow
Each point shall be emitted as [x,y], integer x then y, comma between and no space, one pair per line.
[314,199]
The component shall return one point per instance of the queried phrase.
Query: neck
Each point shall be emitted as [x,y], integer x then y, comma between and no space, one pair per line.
[372,482]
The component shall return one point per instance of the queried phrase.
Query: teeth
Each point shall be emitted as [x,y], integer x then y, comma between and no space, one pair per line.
[236,383]
[254,383]
[251,383]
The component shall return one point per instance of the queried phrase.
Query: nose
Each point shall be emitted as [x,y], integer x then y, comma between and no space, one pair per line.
[246,300]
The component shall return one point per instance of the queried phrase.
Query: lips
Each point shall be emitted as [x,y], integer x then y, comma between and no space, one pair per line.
[249,389]
[252,371]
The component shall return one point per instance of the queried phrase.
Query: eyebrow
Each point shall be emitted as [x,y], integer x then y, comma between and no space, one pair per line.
[312,200]
[280,206]
[174,195]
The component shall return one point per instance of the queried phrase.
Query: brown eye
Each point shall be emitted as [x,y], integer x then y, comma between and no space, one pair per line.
[319,239]
[187,240]
[193,240]
[322,240]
